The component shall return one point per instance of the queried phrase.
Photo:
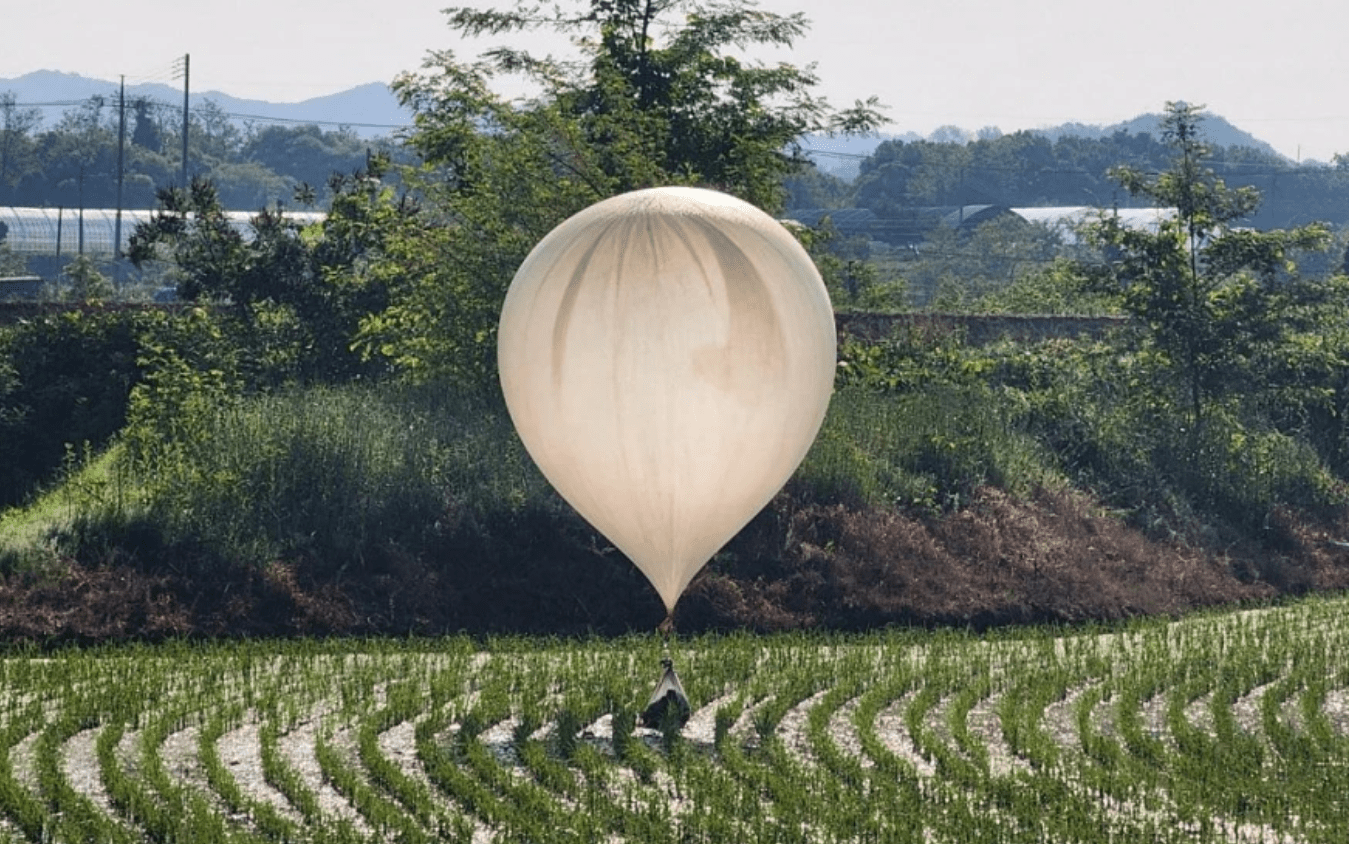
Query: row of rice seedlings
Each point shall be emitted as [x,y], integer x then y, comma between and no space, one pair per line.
[281,775]
[851,791]
[170,809]
[19,804]
[404,703]
[270,822]
[174,690]
[1051,796]
[1205,685]
[385,816]
[1264,783]
[1310,774]
[1096,768]
[959,798]
[1124,786]
[78,817]
[1127,774]
[341,688]
[462,771]
[763,766]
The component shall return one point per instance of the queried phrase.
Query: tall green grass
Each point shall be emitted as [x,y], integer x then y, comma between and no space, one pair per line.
[928,449]
[358,474]
[348,475]
[342,475]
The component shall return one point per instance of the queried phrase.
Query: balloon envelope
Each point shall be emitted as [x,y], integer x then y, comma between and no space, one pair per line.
[667,357]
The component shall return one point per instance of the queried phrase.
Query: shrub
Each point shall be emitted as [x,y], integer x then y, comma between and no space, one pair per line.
[64,381]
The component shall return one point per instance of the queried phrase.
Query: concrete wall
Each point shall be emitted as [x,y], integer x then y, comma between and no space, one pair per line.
[979,330]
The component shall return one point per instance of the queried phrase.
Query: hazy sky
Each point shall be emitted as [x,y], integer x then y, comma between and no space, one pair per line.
[1277,70]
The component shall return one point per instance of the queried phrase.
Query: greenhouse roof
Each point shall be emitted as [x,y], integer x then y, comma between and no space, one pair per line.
[1067,218]
[71,231]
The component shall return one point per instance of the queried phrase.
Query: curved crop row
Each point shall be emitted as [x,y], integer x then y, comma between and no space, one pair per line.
[1228,727]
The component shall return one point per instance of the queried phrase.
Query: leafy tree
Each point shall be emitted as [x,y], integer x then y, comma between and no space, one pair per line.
[1056,288]
[657,98]
[811,187]
[305,154]
[145,132]
[191,229]
[64,381]
[211,132]
[81,155]
[87,283]
[295,292]
[956,271]
[1213,295]
[854,282]
[922,173]
[10,264]
[17,154]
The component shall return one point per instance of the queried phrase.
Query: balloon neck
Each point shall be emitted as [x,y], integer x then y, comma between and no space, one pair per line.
[666,629]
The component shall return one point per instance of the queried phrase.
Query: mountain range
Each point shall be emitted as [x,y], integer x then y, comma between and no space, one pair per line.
[371,110]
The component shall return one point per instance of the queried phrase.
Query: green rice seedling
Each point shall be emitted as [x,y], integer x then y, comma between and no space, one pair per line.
[271,823]
[1134,689]
[386,817]
[623,722]
[411,793]
[79,818]
[847,791]
[566,725]
[17,802]
[452,779]
[278,773]
[971,692]
[183,812]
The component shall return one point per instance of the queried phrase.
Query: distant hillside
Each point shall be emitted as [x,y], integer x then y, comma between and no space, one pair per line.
[370,110]
[1218,131]
[842,156]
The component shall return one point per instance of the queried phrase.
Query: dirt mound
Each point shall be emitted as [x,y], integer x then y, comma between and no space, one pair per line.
[1048,559]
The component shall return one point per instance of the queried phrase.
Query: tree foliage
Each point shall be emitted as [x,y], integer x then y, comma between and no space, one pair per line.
[1024,169]
[1214,295]
[73,161]
[658,97]
[297,293]
[64,382]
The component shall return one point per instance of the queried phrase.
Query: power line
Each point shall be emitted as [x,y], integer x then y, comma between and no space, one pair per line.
[306,122]
[161,104]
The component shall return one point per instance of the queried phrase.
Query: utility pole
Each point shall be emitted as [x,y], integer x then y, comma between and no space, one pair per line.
[187,61]
[121,151]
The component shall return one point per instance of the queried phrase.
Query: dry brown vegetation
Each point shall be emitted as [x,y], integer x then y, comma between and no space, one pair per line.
[1052,558]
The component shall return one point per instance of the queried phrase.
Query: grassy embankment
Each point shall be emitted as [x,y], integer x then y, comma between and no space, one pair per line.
[948,486]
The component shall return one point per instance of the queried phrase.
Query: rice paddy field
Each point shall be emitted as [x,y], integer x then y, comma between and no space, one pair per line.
[1222,727]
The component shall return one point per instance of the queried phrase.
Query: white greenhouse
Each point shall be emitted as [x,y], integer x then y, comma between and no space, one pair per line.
[91,231]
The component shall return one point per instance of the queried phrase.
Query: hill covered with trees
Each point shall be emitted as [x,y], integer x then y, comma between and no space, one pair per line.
[1032,169]
[73,161]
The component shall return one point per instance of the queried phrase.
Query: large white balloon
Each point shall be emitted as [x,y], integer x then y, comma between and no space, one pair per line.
[667,357]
